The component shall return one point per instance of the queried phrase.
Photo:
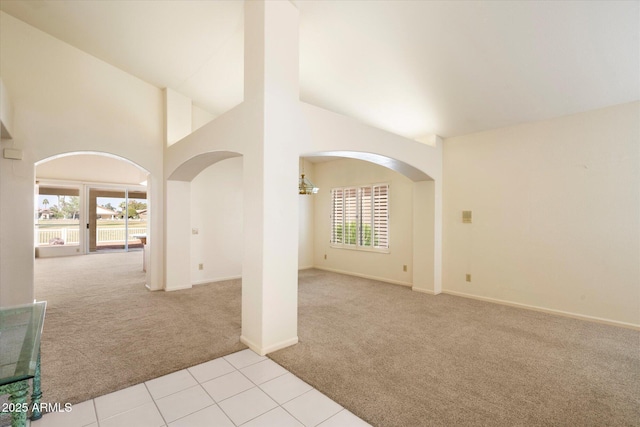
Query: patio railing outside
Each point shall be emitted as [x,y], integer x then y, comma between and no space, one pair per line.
[71,236]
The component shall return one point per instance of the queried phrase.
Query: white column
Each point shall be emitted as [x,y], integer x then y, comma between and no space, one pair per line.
[177,198]
[177,235]
[154,251]
[269,276]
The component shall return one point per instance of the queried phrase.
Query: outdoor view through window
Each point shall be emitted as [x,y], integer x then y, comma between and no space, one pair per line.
[115,218]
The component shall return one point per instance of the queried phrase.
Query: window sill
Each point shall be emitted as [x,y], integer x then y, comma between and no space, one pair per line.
[361,249]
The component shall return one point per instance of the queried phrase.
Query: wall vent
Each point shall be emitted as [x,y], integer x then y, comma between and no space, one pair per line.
[466,217]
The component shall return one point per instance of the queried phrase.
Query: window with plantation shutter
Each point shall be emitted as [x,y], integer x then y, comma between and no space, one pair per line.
[381,216]
[360,217]
[337,215]
[350,226]
[365,220]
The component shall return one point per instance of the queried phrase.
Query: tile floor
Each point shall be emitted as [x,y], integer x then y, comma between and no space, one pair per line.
[241,389]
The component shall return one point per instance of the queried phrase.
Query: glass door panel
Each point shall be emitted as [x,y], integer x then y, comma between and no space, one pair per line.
[115,218]
[136,218]
[58,216]
[107,225]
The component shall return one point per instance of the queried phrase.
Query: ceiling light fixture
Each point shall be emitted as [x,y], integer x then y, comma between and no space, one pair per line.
[305,186]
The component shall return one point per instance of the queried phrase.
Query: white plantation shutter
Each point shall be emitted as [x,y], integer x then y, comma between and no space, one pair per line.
[337,216]
[350,216]
[360,216]
[366,215]
[381,216]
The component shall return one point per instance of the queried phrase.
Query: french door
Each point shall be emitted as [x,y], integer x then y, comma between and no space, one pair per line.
[117,218]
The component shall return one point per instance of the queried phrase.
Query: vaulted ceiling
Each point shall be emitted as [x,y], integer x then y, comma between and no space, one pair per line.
[411,67]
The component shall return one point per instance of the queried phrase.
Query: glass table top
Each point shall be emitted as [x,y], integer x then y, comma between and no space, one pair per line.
[20,331]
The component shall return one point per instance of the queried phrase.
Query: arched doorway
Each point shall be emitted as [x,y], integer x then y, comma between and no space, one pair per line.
[88,202]
[196,233]
[361,192]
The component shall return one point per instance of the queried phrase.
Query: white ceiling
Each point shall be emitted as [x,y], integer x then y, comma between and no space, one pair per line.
[411,67]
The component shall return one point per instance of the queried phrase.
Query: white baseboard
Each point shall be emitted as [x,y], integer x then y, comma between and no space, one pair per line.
[268,349]
[214,280]
[424,291]
[365,276]
[545,310]
[306,267]
[181,288]
[282,344]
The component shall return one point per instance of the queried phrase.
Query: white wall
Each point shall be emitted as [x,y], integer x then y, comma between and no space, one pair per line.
[6,112]
[382,266]
[216,212]
[427,252]
[306,223]
[556,213]
[178,116]
[65,101]
[199,117]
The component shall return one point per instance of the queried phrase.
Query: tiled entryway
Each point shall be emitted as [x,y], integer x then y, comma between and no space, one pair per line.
[241,389]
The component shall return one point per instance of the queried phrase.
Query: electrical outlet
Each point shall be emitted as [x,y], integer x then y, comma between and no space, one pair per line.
[201,266]
[404,267]
[468,277]
[325,256]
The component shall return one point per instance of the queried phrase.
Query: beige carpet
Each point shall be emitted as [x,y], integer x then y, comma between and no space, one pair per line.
[104,331]
[399,358]
[390,355]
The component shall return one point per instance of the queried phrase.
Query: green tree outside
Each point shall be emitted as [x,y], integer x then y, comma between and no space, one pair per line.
[133,208]
[350,234]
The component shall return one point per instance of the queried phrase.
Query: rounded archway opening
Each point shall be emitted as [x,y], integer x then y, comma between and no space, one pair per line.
[204,202]
[373,216]
[191,168]
[411,172]
[90,202]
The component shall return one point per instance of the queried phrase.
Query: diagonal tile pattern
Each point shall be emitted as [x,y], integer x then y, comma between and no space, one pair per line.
[241,389]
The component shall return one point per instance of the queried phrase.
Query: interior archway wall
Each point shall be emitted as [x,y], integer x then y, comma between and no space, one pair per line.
[216,193]
[136,157]
[322,132]
[66,100]
[215,232]
[197,243]
[103,168]
[216,218]
[333,133]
